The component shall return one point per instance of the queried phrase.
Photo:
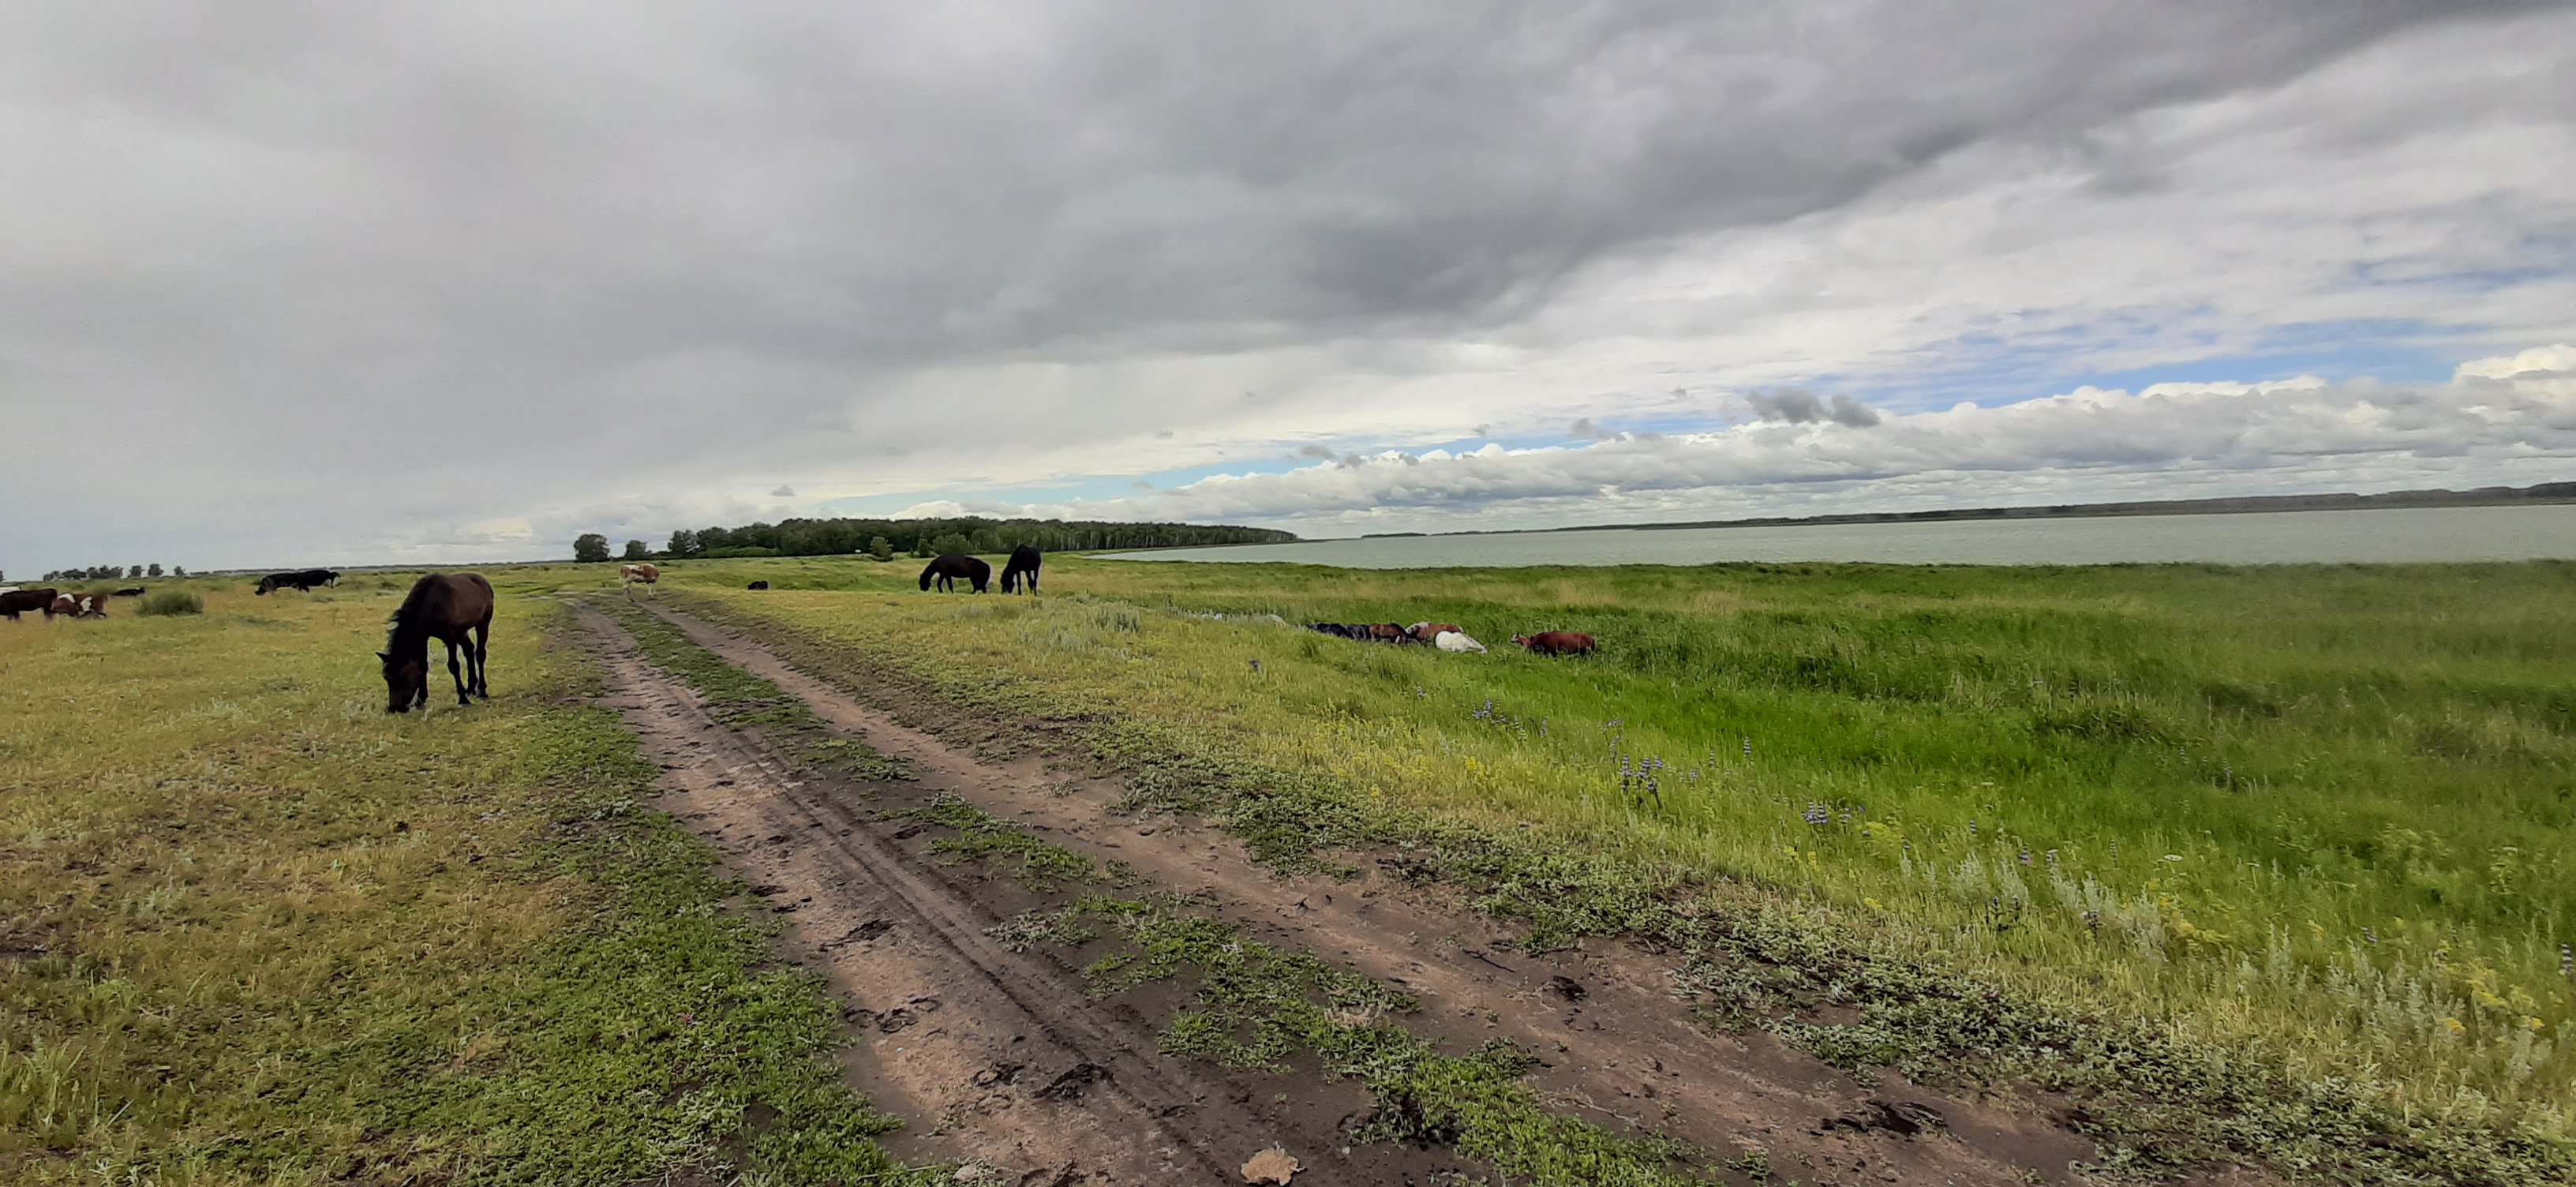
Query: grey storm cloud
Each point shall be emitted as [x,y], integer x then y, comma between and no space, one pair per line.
[353,281]
[1797,405]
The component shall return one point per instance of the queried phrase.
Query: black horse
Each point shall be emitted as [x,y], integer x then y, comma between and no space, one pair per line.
[955,565]
[1023,566]
[449,609]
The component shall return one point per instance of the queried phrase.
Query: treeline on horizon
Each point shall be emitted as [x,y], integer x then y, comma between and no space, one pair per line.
[935,537]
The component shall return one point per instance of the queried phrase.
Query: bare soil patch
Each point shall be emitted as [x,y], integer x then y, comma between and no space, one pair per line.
[1003,1058]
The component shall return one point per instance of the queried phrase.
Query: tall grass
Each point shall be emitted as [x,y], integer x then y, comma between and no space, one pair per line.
[168,603]
[2323,809]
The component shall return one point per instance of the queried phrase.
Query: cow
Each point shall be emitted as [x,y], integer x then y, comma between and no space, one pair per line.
[131,591]
[757,585]
[1457,641]
[1430,632]
[628,575]
[1022,565]
[19,601]
[1556,642]
[303,579]
[78,605]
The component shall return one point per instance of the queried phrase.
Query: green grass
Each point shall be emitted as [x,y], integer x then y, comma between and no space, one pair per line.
[255,930]
[2317,816]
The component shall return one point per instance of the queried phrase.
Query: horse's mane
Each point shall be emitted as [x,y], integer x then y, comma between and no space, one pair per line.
[407,615]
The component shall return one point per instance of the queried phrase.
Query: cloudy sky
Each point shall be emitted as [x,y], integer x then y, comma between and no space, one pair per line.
[289,283]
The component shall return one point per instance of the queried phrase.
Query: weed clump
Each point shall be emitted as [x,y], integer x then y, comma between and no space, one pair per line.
[170,603]
[977,835]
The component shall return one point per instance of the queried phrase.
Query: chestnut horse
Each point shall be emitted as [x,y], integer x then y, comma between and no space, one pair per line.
[947,569]
[453,609]
[1556,642]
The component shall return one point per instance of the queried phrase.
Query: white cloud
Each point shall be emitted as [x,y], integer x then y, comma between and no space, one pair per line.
[2507,419]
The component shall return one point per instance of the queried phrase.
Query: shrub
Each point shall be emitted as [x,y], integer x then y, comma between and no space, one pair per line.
[171,601]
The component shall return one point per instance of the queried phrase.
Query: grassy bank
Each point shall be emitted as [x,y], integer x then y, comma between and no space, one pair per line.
[252,929]
[2314,815]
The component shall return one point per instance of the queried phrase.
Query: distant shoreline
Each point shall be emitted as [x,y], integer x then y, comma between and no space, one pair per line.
[2487,496]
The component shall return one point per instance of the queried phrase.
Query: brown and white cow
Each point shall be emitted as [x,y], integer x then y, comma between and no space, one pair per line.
[628,575]
[78,605]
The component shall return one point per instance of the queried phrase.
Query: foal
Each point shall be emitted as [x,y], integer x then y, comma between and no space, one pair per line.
[454,609]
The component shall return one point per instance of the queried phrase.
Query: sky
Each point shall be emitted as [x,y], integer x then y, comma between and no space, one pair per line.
[321,283]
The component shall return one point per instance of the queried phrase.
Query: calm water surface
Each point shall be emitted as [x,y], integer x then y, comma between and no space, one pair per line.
[2417,534]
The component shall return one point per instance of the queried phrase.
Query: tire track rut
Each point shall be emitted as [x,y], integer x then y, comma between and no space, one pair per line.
[1618,1047]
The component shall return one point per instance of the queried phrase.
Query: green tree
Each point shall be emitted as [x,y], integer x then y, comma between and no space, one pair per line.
[178,570]
[152,570]
[881,548]
[684,543]
[590,547]
[636,551]
[951,544]
[134,572]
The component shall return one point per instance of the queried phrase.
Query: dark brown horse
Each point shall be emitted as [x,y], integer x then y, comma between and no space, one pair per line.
[1023,566]
[449,608]
[947,569]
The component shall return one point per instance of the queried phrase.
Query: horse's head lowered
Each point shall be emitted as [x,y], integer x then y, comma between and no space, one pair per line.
[406,681]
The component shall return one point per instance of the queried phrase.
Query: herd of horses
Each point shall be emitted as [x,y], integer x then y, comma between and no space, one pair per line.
[456,609]
[947,571]
[1447,637]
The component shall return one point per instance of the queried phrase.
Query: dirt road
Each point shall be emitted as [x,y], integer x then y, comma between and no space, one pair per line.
[1004,1059]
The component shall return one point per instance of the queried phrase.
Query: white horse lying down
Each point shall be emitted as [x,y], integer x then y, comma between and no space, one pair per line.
[1457,641]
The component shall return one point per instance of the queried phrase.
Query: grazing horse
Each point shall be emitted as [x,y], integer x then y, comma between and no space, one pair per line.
[1023,564]
[453,609]
[628,575]
[19,601]
[948,568]
[1556,642]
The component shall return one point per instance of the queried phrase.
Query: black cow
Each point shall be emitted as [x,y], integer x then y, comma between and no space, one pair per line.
[304,580]
[948,568]
[19,601]
[757,585]
[1023,564]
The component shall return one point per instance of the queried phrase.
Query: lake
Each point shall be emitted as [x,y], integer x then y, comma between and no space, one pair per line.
[2390,535]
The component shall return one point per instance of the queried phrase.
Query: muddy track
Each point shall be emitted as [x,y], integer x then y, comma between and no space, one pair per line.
[1003,1058]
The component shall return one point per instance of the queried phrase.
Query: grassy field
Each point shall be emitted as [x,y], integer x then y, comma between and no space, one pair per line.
[2310,820]
[254,930]
[2320,814]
